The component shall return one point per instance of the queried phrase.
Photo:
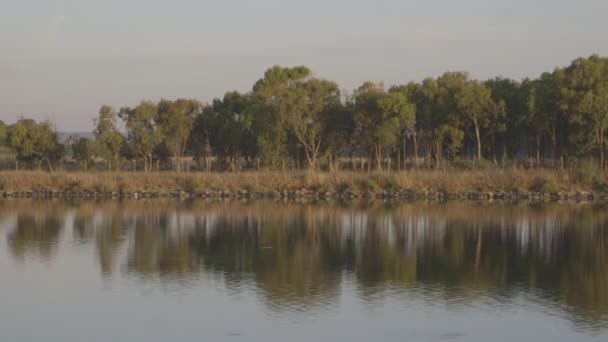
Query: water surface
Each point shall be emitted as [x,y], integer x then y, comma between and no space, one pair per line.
[265,271]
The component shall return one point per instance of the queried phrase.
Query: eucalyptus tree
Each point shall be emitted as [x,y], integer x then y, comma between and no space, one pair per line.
[200,137]
[439,123]
[380,116]
[474,103]
[220,130]
[144,134]
[410,130]
[175,119]
[31,141]
[306,107]
[338,134]
[586,99]
[513,97]
[397,105]
[266,120]
[229,134]
[539,109]
[108,139]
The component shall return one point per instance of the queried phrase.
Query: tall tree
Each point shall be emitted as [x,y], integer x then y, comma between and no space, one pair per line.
[397,104]
[338,134]
[176,120]
[203,127]
[108,139]
[585,96]
[264,118]
[144,135]
[474,103]
[306,108]
[380,117]
[410,130]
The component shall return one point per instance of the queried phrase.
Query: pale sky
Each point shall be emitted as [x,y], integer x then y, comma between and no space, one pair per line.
[62,59]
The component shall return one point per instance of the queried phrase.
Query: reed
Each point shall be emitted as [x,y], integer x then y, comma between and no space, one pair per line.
[453,181]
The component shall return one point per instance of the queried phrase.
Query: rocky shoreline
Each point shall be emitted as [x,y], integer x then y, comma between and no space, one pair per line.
[308,194]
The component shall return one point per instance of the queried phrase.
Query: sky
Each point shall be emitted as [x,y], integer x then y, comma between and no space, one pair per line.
[60,60]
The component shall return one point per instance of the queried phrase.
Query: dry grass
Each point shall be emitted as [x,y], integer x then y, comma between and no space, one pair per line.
[453,181]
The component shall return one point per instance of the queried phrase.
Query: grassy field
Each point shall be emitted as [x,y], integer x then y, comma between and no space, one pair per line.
[453,181]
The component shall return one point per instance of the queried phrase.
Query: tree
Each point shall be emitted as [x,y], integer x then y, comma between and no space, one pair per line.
[380,117]
[513,96]
[144,135]
[305,106]
[200,138]
[267,122]
[32,141]
[83,151]
[439,124]
[585,97]
[176,120]
[108,140]
[221,130]
[410,130]
[474,103]
[229,133]
[397,104]
[338,134]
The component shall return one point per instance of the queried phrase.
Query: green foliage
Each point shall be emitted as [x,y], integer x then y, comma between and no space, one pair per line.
[475,105]
[108,140]
[267,117]
[306,109]
[381,117]
[291,118]
[32,141]
[175,119]
[144,134]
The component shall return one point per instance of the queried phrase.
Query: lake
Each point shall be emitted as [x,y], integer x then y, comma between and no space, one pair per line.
[265,271]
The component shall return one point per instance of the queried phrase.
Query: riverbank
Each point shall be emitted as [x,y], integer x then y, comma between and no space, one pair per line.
[537,185]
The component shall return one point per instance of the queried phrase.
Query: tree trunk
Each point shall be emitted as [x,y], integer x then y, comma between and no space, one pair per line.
[404,153]
[538,150]
[48,162]
[477,135]
[428,154]
[438,153]
[553,135]
[398,158]
[378,152]
[415,136]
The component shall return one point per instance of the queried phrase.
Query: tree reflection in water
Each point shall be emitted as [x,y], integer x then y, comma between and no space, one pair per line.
[299,256]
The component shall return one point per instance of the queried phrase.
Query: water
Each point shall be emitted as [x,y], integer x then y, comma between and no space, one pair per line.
[263,271]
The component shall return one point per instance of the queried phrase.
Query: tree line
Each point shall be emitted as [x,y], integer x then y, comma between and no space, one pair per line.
[292,119]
